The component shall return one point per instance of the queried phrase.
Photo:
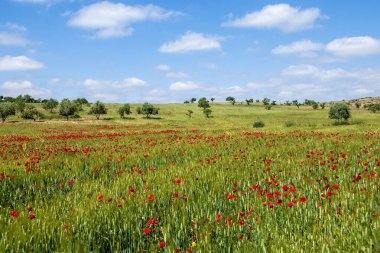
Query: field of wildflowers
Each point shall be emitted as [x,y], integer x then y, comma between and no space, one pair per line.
[131,187]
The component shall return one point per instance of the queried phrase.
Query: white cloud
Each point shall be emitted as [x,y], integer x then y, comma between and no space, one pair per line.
[192,41]
[11,39]
[12,35]
[127,83]
[280,16]
[19,63]
[354,46]
[15,88]
[303,48]
[163,67]
[184,86]
[232,90]
[109,19]
[179,75]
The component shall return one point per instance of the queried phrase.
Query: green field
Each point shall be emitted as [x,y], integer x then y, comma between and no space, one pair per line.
[179,184]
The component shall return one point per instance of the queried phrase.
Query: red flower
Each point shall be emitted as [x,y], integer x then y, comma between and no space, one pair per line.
[303,199]
[150,197]
[100,197]
[218,217]
[162,244]
[30,208]
[14,214]
[290,205]
[241,222]
[71,182]
[147,231]
[109,199]
[179,181]
[229,196]
[284,188]
[336,187]
[152,221]
[31,216]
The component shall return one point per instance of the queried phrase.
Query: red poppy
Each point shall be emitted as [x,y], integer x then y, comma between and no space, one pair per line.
[303,199]
[150,197]
[31,216]
[241,222]
[162,244]
[147,231]
[290,205]
[30,208]
[229,196]
[100,197]
[14,214]
[178,181]
[218,217]
[336,187]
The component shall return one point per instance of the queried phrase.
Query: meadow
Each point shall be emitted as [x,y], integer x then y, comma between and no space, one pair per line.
[179,184]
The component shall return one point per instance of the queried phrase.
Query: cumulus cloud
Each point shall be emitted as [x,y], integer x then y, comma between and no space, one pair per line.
[19,63]
[178,75]
[279,16]
[12,35]
[303,48]
[15,88]
[192,41]
[127,83]
[184,86]
[354,46]
[110,20]
[163,67]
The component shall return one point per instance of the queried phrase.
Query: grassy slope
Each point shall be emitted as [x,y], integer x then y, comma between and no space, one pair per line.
[226,116]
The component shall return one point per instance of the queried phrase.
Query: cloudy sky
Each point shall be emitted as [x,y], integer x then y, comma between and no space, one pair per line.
[169,51]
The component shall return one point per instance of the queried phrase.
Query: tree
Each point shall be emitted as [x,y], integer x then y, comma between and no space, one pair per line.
[189,112]
[357,104]
[6,109]
[67,108]
[288,103]
[193,100]
[323,105]
[31,112]
[147,110]
[212,100]
[296,103]
[97,109]
[19,105]
[231,99]
[268,106]
[207,112]
[339,111]
[374,108]
[50,105]
[315,105]
[249,101]
[125,109]
[203,103]
[266,101]
[79,102]
[273,102]
[186,102]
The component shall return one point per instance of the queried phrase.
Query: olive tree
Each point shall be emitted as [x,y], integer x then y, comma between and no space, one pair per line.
[147,110]
[50,105]
[6,109]
[203,103]
[31,112]
[125,109]
[231,99]
[339,111]
[67,108]
[98,109]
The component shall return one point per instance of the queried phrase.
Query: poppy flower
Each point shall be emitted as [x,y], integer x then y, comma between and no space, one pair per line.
[147,231]
[100,197]
[14,214]
[290,205]
[218,217]
[31,216]
[150,197]
[303,199]
[30,208]
[162,244]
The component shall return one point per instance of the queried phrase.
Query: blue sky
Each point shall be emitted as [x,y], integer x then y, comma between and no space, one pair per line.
[170,51]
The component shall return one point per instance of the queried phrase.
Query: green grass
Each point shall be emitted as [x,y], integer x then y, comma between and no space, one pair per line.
[209,178]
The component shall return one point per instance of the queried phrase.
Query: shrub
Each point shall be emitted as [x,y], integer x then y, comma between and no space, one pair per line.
[374,108]
[289,124]
[339,111]
[207,112]
[125,109]
[258,124]
[67,108]
[147,110]
[97,109]
[50,104]
[203,103]
[31,112]
[6,109]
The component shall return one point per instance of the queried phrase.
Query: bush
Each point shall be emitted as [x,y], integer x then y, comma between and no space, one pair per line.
[6,109]
[289,124]
[207,112]
[147,110]
[97,109]
[31,112]
[258,124]
[339,111]
[125,109]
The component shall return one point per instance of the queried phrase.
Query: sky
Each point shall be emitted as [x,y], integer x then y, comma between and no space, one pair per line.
[126,51]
